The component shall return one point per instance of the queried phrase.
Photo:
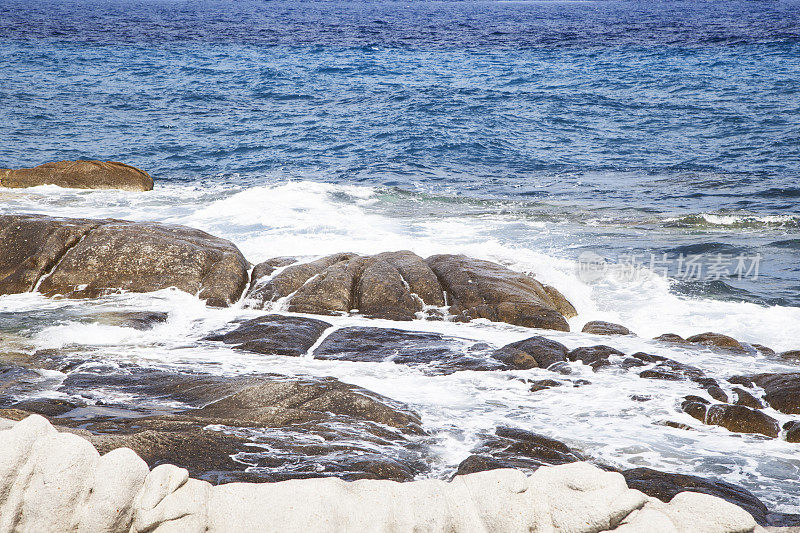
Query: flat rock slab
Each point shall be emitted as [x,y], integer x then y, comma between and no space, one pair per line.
[84,258]
[275,335]
[434,352]
[79,175]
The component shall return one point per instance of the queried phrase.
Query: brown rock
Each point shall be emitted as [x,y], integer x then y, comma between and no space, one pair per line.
[482,289]
[598,327]
[670,337]
[792,429]
[791,355]
[560,301]
[98,257]
[543,384]
[594,356]
[717,340]
[79,175]
[782,391]
[766,350]
[532,352]
[289,279]
[748,400]
[736,418]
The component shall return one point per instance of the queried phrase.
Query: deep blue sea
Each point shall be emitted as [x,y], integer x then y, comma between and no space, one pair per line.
[545,135]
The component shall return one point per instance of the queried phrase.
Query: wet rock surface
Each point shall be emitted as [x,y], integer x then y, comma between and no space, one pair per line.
[598,327]
[534,352]
[275,335]
[736,418]
[781,391]
[88,258]
[717,340]
[79,175]
[266,428]
[433,352]
[519,449]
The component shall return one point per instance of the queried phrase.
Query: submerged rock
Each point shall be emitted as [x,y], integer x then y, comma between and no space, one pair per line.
[598,327]
[275,335]
[87,258]
[141,320]
[792,429]
[79,175]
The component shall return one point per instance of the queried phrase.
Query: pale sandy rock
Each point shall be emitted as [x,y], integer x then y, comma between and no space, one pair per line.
[52,481]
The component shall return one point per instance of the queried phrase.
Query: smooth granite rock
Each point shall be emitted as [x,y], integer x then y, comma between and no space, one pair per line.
[79,175]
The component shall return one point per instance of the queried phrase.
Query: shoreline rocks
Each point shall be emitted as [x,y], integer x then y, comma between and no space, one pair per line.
[57,481]
[83,258]
[79,175]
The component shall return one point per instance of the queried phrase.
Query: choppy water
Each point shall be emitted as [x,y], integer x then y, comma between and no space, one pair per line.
[524,132]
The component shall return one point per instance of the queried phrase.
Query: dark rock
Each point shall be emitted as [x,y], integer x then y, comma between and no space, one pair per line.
[665,486]
[640,397]
[791,355]
[717,340]
[676,425]
[79,175]
[517,448]
[543,352]
[748,400]
[598,327]
[741,380]
[669,369]
[782,391]
[87,258]
[594,356]
[436,353]
[792,429]
[275,335]
[543,384]
[736,418]
[482,289]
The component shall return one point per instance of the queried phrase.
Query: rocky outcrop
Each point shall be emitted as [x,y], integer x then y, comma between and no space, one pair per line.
[86,258]
[598,327]
[79,175]
[717,340]
[736,418]
[275,335]
[482,289]
[54,481]
[533,352]
[403,286]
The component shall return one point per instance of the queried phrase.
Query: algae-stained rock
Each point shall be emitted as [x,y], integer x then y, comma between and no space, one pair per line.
[275,334]
[481,289]
[79,175]
[599,327]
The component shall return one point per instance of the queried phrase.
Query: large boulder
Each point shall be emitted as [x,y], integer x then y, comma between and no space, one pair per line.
[736,418]
[533,352]
[79,175]
[717,340]
[403,286]
[481,289]
[87,258]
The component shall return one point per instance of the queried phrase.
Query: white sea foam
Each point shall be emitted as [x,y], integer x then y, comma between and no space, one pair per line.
[303,218]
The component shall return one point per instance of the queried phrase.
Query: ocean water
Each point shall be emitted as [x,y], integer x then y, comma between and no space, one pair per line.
[529,133]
